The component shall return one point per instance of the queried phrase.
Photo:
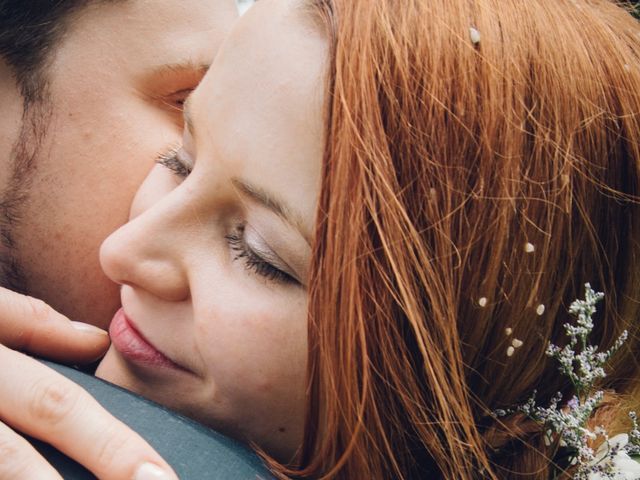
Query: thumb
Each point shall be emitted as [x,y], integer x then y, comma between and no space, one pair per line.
[30,325]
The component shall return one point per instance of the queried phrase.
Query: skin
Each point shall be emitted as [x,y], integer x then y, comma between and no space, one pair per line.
[115,108]
[238,336]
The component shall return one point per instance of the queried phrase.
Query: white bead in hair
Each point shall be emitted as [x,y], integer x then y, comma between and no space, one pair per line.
[482,301]
[474,35]
[508,331]
[516,343]
[529,247]
[510,351]
[540,309]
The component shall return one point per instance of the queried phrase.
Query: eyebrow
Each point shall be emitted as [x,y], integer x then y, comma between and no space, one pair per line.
[194,71]
[181,67]
[254,192]
[270,202]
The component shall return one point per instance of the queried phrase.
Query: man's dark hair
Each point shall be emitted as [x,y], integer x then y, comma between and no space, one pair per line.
[29,32]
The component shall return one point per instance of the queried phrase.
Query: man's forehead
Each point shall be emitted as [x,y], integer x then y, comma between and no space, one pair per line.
[160,37]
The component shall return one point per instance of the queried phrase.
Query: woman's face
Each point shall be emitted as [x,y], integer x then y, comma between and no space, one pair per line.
[214,265]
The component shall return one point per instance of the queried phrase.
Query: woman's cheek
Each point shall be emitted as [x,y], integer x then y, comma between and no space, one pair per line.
[256,345]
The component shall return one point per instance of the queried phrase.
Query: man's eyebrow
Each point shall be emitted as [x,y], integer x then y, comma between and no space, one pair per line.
[270,202]
[187,67]
[156,80]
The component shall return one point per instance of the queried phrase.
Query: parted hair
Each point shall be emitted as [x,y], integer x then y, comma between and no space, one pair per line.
[481,165]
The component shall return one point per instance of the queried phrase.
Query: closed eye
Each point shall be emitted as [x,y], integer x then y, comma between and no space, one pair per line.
[255,262]
[175,101]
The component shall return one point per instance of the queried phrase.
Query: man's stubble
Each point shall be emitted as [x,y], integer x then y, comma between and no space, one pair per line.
[23,162]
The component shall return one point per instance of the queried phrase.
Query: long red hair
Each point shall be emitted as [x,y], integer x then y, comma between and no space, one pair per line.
[481,165]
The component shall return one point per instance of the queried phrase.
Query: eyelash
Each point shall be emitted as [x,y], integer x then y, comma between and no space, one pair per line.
[174,101]
[253,261]
[236,241]
[179,98]
[171,161]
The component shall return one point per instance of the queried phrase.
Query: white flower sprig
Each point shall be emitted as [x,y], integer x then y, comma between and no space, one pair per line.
[583,364]
[583,369]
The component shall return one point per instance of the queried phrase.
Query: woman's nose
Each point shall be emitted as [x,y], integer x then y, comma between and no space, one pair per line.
[146,254]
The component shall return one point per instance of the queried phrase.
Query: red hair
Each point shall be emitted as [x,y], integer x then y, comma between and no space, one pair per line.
[448,160]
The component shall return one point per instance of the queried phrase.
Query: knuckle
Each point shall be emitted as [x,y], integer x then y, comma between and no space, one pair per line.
[52,400]
[113,442]
[13,461]
[36,309]
[29,312]
[9,450]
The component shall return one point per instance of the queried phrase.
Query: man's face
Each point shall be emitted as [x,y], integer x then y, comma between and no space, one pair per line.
[116,83]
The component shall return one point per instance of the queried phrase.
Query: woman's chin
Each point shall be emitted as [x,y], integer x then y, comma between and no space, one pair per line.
[179,390]
[113,369]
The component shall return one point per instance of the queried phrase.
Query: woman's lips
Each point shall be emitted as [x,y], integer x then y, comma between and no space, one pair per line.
[134,347]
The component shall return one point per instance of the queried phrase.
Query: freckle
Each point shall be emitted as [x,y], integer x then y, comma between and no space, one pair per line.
[282,429]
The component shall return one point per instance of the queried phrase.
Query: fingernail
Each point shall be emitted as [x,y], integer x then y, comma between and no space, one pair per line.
[86,328]
[149,471]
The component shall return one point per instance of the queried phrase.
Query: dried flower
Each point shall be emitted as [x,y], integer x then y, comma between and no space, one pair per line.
[583,364]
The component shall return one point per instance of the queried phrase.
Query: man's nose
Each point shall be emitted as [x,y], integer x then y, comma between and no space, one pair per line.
[146,253]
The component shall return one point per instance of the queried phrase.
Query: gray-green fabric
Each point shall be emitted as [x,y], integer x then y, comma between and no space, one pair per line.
[194,452]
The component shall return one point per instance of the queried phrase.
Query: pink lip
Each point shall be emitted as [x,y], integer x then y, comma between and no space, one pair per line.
[133,346]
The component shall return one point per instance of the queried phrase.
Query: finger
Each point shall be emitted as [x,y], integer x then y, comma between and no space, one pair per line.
[40,402]
[30,325]
[18,459]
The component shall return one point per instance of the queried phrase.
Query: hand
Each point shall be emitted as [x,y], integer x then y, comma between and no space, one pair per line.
[30,325]
[39,402]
